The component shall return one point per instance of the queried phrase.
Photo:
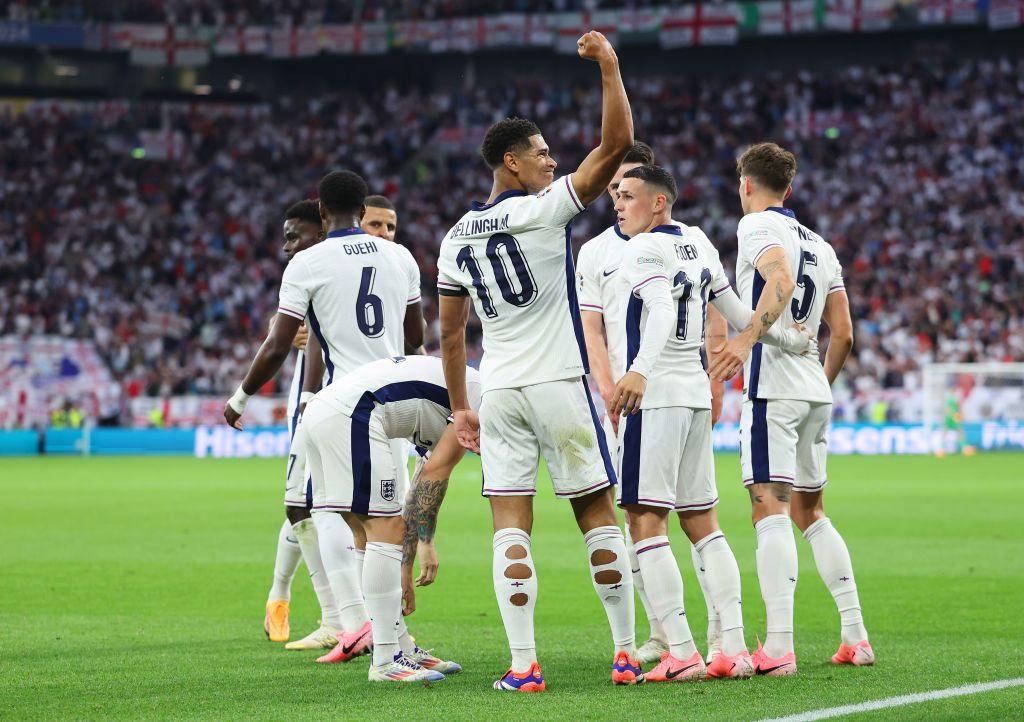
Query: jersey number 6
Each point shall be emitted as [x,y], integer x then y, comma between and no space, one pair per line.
[369,308]
[516,261]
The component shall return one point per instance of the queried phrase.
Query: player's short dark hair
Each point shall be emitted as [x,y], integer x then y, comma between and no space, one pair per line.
[342,192]
[656,176]
[376,201]
[769,165]
[640,153]
[510,134]
[304,211]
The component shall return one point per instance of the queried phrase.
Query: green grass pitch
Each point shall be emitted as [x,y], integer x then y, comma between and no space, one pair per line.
[134,587]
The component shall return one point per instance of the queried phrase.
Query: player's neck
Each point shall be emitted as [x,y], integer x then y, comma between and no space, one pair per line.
[505,182]
[763,203]
[340,223]
[662,219]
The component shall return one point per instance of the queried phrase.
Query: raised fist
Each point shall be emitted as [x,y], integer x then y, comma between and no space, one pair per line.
[594,46]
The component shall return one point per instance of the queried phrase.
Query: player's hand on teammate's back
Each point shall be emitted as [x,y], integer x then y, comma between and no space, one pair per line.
[301,337]
[594,46]
[628,394]
[426,552]
[797,339]
[728,359]
[467,429]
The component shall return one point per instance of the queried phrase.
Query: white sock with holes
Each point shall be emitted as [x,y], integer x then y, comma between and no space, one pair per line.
[382,586]
[657,632]
[777,573]
[517,596]
[613,581]
[722,580]
[287,561]
[335,542]
[714,619]
[665,590]
[833,561]
[309,542]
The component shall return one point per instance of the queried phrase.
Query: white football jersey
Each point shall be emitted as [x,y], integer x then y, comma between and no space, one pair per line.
[513,257]
[598,262]
[410,390]
[295,390]
[685,258]
[353,289]
[770,372]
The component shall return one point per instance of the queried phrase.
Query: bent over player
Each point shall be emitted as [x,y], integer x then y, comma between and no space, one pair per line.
[512,256]
[349,427]
[788,405]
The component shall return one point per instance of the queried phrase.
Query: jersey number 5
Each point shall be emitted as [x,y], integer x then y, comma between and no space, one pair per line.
[369,308]
[802,309]
[516,262]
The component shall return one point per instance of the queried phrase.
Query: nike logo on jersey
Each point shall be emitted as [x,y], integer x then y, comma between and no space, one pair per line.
[608,273]
[676,672]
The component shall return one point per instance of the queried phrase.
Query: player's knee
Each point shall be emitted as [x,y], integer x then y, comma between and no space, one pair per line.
[518,571]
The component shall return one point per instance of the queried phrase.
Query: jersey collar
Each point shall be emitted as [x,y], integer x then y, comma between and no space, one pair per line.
[667,228]
[783,211]
[477,206]
[345,232]
[619,233]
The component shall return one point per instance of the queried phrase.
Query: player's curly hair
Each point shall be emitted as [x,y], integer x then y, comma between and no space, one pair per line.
[769,165]
[656,176]
[304,211]
[640,153]
[342,192]
[510,134]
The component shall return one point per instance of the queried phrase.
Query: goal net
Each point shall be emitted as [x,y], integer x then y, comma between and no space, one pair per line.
[959,398]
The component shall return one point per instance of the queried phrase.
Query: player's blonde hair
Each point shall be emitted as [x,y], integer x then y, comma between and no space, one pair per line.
[769,165]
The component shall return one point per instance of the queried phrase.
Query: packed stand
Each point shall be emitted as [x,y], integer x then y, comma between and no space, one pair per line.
[173,266]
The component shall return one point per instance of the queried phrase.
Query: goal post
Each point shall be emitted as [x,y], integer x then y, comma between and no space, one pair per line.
[955,394]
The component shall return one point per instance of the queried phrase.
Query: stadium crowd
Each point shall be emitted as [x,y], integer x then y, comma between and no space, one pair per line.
[916,175]
[232,12]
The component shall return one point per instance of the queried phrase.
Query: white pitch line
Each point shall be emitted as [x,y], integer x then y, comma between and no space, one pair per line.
[905,699]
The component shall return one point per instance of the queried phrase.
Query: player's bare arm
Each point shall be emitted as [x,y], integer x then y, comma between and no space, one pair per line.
[597,351]
[597,170]
[413,325]
[273,351]
[840,326]
[453,312]
[313,378]
[716,333]
[778,289]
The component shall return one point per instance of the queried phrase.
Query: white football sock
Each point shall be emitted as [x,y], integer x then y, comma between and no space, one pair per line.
[517,596]
[714,619]
[382,585]
[405,641]
[665,590]
[309,543]
[722,580]
[335,539]
[657,632]
[613,581]
[358,558]
[287,561]
[833,561]
[777,573]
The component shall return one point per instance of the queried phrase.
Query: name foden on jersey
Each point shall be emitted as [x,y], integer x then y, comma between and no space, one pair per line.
[478,226]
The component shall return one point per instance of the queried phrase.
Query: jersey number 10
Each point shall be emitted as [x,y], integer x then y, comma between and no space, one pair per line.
[500,266]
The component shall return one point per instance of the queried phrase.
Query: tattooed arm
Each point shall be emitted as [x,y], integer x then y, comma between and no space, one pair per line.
[423,504]
[773,266]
